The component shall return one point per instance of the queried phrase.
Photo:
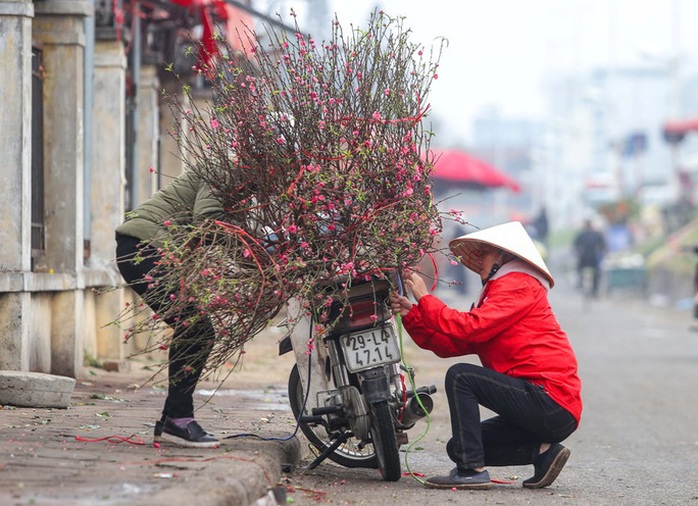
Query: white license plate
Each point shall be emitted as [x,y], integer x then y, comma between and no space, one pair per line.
[370,348]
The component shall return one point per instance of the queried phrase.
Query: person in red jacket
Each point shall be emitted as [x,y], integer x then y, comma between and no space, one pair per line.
[528,375]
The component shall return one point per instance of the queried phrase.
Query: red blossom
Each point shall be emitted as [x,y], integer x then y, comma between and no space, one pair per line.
[320,159]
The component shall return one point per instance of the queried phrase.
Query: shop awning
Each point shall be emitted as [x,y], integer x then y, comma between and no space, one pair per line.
[457,166]
[674,131]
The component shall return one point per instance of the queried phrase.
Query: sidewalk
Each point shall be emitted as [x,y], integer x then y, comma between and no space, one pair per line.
[58,457]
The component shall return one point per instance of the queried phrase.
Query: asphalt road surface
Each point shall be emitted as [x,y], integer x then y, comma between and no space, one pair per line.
[637,443]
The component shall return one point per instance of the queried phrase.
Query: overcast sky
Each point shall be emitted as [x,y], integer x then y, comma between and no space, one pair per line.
[500,50]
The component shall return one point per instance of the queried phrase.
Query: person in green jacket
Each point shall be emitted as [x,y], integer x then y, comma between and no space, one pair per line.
[185,201]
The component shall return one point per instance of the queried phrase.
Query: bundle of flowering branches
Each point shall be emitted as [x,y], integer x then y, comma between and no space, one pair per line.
[319,156]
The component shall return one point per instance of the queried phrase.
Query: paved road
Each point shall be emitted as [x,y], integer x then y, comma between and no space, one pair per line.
[638,442]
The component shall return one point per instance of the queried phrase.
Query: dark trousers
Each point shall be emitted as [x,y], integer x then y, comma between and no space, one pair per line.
[192,336]
[527,417]
[595,278]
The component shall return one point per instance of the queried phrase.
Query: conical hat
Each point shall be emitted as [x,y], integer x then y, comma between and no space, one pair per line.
[511,237]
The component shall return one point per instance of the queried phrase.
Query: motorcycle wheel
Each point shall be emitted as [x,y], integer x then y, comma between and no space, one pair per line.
[385,442]
[348,454]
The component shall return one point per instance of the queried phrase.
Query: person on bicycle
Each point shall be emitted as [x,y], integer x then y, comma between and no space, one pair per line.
[528,375]
[589,246]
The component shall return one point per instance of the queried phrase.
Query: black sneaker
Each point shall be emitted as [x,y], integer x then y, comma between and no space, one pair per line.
[468,479]
[548,466]
[193,436]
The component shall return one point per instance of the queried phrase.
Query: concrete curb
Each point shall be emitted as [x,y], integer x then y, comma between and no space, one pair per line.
[249,474]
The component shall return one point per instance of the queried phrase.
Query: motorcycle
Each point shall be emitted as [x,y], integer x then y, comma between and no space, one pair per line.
[348,391]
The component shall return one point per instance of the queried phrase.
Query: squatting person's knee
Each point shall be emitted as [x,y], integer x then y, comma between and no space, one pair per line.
[460,372]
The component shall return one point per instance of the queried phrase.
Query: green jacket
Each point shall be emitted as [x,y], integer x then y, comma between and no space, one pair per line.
[185,201]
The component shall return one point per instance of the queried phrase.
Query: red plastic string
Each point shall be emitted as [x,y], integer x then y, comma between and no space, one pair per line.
[502,482]
[404,397]
[436,271]
[114,439]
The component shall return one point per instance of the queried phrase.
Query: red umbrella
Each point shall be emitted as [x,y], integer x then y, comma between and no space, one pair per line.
[458,166]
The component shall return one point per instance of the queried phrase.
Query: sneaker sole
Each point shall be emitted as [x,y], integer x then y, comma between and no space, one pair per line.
[458,486]
[553,471]
[170,439]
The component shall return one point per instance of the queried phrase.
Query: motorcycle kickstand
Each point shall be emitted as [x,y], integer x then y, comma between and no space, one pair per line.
[343,438]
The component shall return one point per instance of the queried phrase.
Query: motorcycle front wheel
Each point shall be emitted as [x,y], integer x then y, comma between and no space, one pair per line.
[384,441]
[348,454]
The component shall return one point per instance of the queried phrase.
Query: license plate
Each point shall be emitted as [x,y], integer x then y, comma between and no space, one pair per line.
[370,348]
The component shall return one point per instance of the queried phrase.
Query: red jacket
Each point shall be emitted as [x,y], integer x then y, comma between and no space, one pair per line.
[513,331]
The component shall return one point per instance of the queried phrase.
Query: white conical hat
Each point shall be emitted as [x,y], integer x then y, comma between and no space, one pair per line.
[511,237]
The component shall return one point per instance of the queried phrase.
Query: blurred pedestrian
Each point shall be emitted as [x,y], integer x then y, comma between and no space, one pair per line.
[540,224]
[589,246]
[528,375]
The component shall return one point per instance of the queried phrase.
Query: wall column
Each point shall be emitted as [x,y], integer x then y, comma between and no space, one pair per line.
[15,182]
[171,164]
[60,25]
[149,94]
[107,185]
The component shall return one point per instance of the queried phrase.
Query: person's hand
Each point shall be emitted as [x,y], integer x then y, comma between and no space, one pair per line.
[416,285]
[399,304]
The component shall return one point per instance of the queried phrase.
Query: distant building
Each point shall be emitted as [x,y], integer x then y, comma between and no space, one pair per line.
[603,138]
[509,144]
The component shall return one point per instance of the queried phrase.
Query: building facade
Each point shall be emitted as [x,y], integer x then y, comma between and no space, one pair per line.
[83,137]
